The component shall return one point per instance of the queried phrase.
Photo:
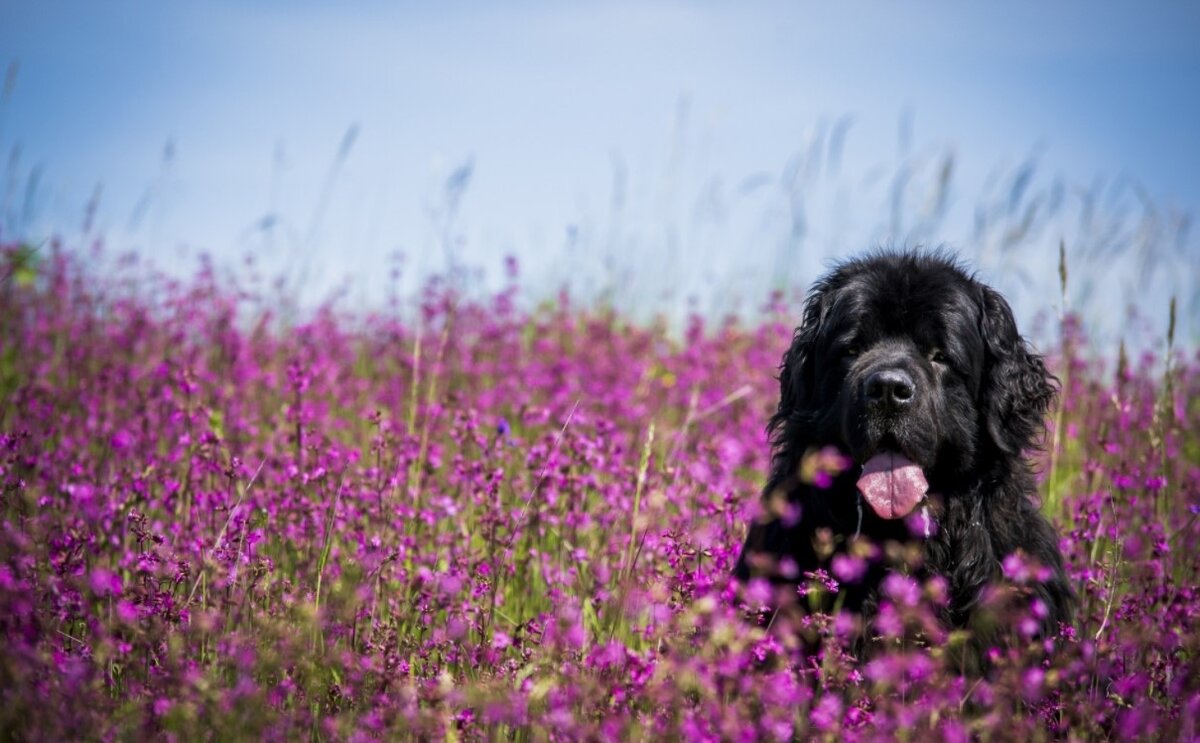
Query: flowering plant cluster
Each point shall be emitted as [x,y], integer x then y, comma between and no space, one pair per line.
[486,522]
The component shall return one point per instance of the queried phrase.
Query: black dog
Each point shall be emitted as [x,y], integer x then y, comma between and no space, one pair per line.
[915,372]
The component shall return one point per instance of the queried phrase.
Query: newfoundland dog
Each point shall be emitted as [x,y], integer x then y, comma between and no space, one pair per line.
[915,374]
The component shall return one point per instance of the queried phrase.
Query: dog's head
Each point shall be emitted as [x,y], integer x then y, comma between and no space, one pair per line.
[915,370]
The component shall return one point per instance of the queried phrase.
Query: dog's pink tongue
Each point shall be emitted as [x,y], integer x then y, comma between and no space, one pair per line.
[892,484]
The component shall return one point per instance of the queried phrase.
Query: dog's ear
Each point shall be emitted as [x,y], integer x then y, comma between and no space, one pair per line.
[1017,388]
[797,372]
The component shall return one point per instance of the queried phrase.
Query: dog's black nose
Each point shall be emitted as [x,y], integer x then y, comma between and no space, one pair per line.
[891,388]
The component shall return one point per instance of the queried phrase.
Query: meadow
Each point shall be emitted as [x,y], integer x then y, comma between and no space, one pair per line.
[494,520]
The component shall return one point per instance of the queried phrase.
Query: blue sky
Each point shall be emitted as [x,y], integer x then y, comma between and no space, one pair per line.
[589,119]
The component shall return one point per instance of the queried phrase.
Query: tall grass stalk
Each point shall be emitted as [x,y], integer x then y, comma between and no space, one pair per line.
[1054,480]
[326,547]
[643,466]
[1164,418]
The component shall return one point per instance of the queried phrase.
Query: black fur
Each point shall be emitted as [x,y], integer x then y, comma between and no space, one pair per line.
[979,402]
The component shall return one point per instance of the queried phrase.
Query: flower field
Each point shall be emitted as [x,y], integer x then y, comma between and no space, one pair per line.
[485,522]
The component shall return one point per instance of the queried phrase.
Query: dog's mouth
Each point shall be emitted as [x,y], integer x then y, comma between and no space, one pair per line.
[892,484]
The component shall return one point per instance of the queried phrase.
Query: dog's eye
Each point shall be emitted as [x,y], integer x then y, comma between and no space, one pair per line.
[850,351]
[937,357]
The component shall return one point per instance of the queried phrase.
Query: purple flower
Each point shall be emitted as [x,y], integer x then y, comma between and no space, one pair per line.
[105,583]
[121,440]
[826,716]
[849,569]
[902,589]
